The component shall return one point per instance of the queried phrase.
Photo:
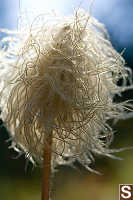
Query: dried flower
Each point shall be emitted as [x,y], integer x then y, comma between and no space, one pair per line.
[62,76]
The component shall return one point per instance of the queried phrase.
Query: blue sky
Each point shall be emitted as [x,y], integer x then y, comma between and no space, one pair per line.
[117,15]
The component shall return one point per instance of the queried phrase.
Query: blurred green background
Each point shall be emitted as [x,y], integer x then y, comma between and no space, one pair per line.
[18,183]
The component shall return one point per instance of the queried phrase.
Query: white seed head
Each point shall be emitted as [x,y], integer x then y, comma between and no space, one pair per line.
[61,76]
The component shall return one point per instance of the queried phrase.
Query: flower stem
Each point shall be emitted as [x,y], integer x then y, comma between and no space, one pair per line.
[47,169]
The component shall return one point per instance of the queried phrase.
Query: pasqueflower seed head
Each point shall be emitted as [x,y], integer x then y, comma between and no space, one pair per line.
[60,75]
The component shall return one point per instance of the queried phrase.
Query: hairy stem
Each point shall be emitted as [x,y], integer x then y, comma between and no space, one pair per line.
[47,169]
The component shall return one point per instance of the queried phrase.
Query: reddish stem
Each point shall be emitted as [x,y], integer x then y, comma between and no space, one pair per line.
[47,169]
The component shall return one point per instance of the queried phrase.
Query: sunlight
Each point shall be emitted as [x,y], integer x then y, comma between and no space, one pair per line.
[43,5]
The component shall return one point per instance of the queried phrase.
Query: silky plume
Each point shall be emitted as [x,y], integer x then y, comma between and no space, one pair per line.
[61,76]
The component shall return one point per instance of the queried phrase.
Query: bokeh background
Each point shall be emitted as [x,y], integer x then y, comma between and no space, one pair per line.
[19,180]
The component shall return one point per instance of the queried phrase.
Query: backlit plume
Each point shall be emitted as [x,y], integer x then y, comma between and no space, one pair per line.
[60,75]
